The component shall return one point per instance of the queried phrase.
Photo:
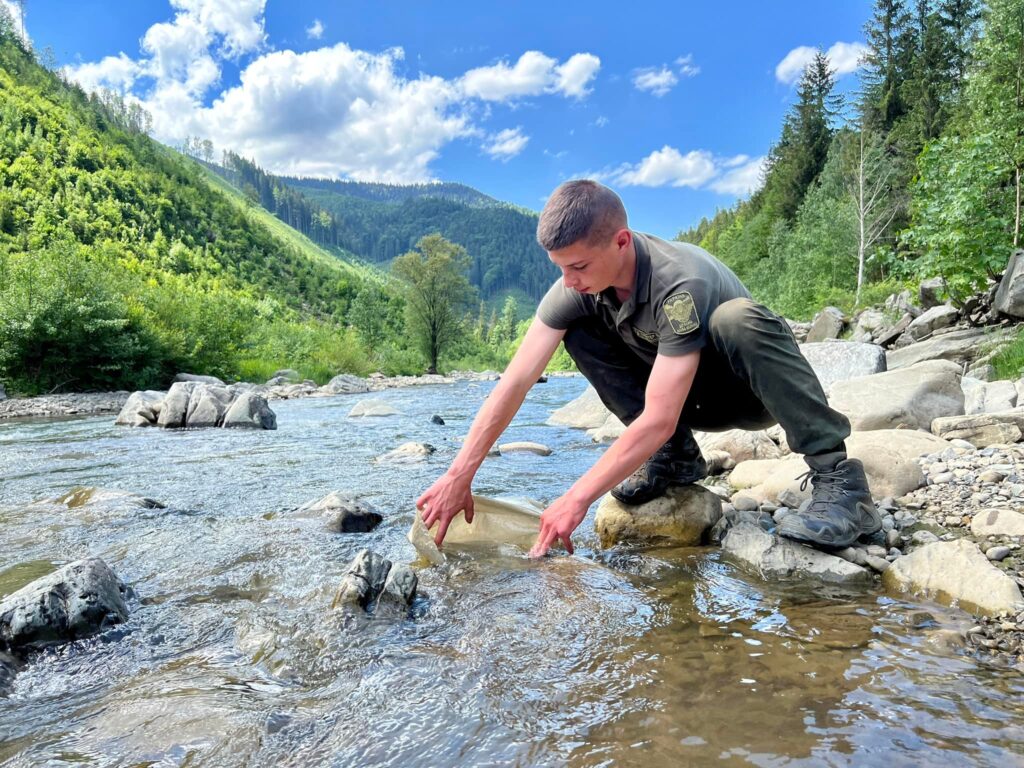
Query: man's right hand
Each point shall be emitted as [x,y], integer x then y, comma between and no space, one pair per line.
[443,501]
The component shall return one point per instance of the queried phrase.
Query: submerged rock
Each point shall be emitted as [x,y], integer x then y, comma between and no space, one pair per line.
[955,571]
[524,447]
[371,578]
[372,407]
[435,419]
[78,600]
[347,514]
[407,453]
[683,516]
[775,557]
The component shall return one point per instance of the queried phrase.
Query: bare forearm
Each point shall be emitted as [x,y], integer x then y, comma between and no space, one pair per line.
[640,440]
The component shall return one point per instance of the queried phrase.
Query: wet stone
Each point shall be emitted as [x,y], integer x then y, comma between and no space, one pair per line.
[997,553]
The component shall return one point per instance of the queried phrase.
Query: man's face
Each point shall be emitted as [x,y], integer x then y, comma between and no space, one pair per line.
[591,267]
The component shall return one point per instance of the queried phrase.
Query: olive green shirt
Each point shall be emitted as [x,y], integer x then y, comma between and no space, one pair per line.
[677,286]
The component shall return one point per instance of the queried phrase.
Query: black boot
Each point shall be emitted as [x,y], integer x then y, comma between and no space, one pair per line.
[841,509]
[677,462]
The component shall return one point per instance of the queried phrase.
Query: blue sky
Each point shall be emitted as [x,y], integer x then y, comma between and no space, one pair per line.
[671,104]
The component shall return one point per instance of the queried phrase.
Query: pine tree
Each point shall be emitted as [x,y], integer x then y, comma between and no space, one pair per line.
[887,64]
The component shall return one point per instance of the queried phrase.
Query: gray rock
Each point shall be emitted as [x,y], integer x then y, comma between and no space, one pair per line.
[892,538]
[960,346]
[988,397]
[935,318]
[886,336]
[995,554]
[141,409]
[585,412]
[929,293]
[3,392]
[877,564]
[250,411]
[372,407]
[744,503]
[774,557]
[524,447]
[363,581]
[9,667]
[399,586]
[174,408]
[78,600]
[900,303]
[998,522]
[199,379]
[1010,296]
[683,516]
[834,361]
[435,419]
[347,514]
[868,323]
[827,324]
[981,430]
[207,406]
[907,398]
[285,376]
[346,384]
[406,453]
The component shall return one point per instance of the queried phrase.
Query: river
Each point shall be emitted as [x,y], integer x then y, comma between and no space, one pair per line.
[233,656]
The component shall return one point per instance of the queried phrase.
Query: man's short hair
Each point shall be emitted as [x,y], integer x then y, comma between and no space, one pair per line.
[580,210]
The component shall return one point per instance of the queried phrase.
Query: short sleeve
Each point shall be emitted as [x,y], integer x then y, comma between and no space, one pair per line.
[682,318]
[561,306]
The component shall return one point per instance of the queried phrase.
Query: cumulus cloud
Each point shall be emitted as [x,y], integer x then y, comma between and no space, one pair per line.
[533,74]
[335,111]
[697,169]
[315,30]
[843,59]
[506,144]
[686,67]
[660,80]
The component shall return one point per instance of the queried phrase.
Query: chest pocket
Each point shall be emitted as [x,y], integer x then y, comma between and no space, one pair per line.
[651,337]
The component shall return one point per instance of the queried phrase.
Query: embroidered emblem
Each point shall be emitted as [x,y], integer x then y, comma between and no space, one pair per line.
[681,313]
[649,336]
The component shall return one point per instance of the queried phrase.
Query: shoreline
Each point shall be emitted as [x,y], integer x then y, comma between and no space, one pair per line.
[100,403]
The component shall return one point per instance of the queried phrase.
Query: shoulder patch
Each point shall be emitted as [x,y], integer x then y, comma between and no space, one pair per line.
[681,313]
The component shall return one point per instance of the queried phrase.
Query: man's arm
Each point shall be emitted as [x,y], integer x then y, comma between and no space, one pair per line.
[667,388]
[450,494]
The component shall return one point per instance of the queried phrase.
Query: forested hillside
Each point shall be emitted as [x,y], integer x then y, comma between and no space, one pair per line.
[379,222]
[918,176]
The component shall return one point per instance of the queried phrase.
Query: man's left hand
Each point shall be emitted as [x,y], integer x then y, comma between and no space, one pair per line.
[557,523]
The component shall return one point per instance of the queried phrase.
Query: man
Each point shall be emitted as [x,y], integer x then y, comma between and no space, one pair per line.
[672,341]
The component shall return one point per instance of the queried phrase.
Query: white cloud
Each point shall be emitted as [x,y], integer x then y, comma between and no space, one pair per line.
[744,177]
[685,66]
[843,59]
[698,169]
[315,30]
[506,144]
[601,121]
[667,166]
[657,81]
[335,111]
[533,74]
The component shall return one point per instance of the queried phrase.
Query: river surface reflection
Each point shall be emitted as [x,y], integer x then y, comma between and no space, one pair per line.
[232,655]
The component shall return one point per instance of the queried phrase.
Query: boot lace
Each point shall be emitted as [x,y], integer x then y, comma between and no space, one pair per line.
[827,488]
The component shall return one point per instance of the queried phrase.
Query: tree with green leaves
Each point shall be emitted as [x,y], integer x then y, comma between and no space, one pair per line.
[887,64]
[437,293]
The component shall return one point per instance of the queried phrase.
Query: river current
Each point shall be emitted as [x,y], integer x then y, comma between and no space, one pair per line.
[233,656]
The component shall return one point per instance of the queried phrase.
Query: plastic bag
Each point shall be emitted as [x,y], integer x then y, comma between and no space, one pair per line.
[495,521]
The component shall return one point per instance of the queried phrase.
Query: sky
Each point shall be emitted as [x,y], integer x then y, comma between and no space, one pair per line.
[674,105]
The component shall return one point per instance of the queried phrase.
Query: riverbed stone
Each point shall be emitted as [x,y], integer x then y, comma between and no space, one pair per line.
[174,408]
[345,384]
[406,453]
[104,501]
[346,513]
[372,407]
[958,572]
[141,409]
[608,432]
[773,557]
[683,516]
[399,586]
[207,406]
[250,411]
[740,444]
[963,345]
[199,379]
[524,446]
[929,292]
[585,412]
[998,553]
[941,316]
[998,522]
[363,580]
[827,324]
[983,429]
[988,396]
[909,398]
[1009,298]
[834,361]
[75,601]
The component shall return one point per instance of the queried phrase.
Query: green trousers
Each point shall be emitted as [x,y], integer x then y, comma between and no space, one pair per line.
[751,375]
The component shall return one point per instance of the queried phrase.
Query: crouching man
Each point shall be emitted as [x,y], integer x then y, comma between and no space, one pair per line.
[672,342]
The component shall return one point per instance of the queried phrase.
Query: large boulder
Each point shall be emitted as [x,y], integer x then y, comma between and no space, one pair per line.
[141,409]
[930,291]
[827,324]
[834,361]
[998,522]
[906,398]
[608,432]
[900,303]
[250,411]
[963,345]
[740,444]
[372,407]
[982,429]
[345,384]
[372,579]
[958,572]
[1010,295]
[935,318]
[868,324]
[889,457]
[174,408]
[197,379]
[988,397]
[683,516]
[585,412]
[345,513]
[774,557]
[207,406]
[78,600]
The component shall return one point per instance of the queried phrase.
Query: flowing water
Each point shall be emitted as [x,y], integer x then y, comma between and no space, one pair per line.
[233,656]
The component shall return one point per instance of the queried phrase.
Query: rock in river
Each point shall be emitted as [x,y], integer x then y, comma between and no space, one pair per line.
[347,514]
[775,557]
[78,600]
[371,578]
[406,453]
[372,407]
[683,516]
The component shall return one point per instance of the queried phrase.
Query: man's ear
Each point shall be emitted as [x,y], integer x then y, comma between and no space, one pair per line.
[623,238]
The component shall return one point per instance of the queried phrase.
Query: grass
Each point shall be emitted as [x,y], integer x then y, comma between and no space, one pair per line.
[1009,361]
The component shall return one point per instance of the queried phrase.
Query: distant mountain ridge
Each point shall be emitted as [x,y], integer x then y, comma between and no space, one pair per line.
[395,193]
